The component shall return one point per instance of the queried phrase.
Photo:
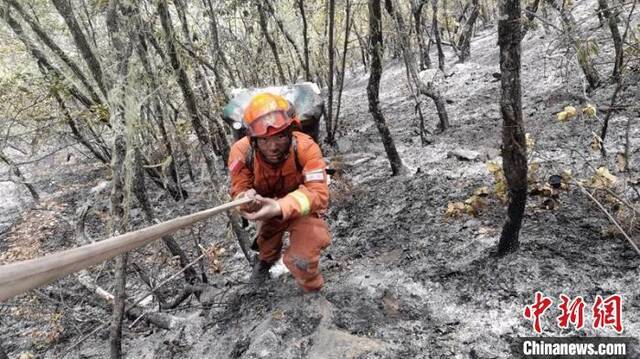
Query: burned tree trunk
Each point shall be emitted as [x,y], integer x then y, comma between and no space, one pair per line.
[140,191]
[426,89]
[65,10]
[213,28]
[185,87]
[48,41]
[436,33]
[123,49]
[329,115]
[343,67]
[21,180]
[46,67]
[514,155]
[283,30]
[464,42]
[102,154]
[264,26]
[373,87]
[416,10]
[362,44]
[582,47]
[305,37]
[612,19]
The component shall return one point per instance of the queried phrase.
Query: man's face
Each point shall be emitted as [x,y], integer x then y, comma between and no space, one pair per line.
[274,148]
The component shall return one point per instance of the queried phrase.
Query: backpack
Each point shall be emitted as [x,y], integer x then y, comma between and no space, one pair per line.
[305,99]
[305,102]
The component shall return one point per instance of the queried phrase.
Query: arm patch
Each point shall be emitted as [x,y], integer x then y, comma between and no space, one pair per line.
[236,166]
[315,176]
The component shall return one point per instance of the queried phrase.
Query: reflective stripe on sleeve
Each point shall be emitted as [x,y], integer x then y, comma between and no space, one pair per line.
[303,201]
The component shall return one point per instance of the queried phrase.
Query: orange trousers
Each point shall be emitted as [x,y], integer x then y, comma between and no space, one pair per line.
[307,237]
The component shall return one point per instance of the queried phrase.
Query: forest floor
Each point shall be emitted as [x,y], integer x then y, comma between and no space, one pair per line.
[403,280]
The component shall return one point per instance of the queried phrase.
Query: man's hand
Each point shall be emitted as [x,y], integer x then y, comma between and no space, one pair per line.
[251,206]
[269,208]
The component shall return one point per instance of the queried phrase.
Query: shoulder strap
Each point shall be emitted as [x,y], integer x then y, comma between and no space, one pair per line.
[248,160]
[294,143]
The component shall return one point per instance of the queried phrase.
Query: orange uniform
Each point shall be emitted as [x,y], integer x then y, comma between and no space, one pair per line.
[302,195]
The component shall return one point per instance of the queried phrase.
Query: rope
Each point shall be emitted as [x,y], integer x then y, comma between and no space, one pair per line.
[17,278]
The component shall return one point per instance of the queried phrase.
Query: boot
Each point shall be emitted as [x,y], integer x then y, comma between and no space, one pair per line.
[260,272]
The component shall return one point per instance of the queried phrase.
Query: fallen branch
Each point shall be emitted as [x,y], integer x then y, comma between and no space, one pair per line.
[137,313]
[584,190]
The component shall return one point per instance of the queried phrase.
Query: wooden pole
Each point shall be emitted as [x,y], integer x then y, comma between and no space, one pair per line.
[17,278]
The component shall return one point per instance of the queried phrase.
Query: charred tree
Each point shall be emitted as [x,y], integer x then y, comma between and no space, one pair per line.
[364,53]
[612,19]
[345,48]
[373,87]
[140,191]
[416,10]
[216,48]
[436,33]
[464,41]
[46,67]
[48,41]
[514,156]
[264,26]
[412,75]
[329,115]
[305,38]
[283,30]
[66,11]
[581,46]
[123,49]
[15,170]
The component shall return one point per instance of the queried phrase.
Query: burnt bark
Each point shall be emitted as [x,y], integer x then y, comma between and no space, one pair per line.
[65,10]
[140,191]
[436,33]
[16,172]
[50,43]
[416,10]
[331,53]
[283,30]
[514,155]
[464,42]
[364,54]
[185,86]
[345,48]
[373,87]
[44,64]
[101,153]
[216,48]
[612,20]
[218,140]
[581,45]
[426,89]
[264,26]
[123,45]
[159,114]
[305,38]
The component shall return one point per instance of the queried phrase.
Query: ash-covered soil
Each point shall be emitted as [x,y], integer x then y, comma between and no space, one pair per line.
[402,279]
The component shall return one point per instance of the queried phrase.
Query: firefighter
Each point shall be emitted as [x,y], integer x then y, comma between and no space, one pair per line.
[282,170]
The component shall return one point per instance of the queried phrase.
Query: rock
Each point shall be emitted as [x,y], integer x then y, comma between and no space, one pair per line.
[464,155]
